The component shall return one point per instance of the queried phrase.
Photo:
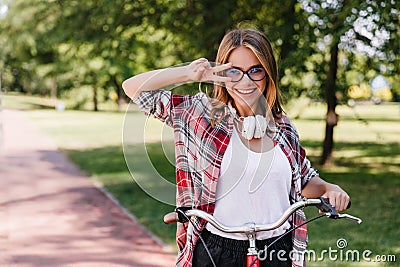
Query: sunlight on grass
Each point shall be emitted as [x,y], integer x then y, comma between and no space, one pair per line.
[77,129]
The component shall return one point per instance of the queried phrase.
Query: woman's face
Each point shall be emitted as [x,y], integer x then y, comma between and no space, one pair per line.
[246,92]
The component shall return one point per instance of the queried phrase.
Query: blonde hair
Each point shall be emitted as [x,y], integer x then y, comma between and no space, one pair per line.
[257,42]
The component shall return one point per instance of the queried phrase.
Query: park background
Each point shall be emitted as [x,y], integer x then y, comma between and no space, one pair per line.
[62,62]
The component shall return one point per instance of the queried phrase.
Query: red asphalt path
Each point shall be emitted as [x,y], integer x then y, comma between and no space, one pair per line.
[53,215]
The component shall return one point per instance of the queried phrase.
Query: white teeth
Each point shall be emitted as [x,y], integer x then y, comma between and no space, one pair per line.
[246,91]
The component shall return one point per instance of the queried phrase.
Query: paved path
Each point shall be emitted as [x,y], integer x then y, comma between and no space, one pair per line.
[52,215]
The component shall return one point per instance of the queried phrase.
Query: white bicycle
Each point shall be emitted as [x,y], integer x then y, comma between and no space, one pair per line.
[183,214]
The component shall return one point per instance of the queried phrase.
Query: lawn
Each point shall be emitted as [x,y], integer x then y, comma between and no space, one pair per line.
[367,165]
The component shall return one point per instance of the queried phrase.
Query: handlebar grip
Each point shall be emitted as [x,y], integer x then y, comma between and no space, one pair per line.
[177,216]
[327,207]
[171,217]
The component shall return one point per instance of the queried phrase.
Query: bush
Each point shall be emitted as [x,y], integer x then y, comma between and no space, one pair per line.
[81,98]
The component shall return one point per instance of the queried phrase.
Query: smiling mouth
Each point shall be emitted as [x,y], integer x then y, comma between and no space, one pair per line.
[245,91]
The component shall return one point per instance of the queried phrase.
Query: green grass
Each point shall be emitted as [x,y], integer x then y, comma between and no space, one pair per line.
[373,182]
[16,101]
[367,166]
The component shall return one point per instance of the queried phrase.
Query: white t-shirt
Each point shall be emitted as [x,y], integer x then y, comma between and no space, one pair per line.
[253,187]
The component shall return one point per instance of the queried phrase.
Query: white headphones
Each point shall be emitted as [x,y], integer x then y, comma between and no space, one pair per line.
[254,127]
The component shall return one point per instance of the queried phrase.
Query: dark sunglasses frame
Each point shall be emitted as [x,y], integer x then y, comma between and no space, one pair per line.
[247,73]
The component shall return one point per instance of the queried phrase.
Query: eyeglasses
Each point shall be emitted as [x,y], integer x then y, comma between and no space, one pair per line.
[256,73]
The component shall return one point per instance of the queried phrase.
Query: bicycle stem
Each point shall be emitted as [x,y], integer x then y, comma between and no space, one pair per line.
[252,252]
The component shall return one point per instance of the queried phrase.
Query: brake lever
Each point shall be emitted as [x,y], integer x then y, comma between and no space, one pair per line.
[331,212]
[326,207]
[343,216]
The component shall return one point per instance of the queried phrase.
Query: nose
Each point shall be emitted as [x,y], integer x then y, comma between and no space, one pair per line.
[246,79]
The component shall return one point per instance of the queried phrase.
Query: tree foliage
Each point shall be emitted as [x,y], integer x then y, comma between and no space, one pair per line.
[341,29]
[62,47]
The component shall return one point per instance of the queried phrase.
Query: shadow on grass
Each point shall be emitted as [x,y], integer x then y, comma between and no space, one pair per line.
[30,106]
[366,148]
[370,173]
[361,156]
[345,118]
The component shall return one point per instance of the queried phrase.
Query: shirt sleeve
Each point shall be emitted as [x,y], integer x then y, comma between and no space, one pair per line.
[306,170]
[156,103]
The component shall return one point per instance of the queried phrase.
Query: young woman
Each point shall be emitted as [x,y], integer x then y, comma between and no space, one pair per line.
[238,156]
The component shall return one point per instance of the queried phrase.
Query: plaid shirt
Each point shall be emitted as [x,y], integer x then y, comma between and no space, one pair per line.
[199,149]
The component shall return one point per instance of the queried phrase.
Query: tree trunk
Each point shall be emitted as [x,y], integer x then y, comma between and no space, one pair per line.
[120,99]
[331,116]
[95,103]
[53,89]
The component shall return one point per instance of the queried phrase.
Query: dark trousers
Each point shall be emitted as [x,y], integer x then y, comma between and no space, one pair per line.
[232,253]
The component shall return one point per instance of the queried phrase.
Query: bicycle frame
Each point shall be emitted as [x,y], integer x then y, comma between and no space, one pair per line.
[250,229]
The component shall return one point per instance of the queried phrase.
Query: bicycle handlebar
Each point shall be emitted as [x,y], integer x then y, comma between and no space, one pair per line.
[181,215]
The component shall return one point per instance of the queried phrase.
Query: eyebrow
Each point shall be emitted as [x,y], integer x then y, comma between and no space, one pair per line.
[255,66]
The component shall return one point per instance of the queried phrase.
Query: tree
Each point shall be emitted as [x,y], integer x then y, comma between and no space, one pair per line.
[52,47]
[319,41]
[352,27]
[29,53]
[75,44]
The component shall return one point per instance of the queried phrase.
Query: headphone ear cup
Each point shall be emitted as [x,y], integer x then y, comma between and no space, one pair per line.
[249,126]
[260,127]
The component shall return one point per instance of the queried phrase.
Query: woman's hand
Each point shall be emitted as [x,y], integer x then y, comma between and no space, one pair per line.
[336,196]
[200,70]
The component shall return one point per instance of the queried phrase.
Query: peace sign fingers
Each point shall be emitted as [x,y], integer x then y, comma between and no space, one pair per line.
[222,67]
[219,68]
[201,70]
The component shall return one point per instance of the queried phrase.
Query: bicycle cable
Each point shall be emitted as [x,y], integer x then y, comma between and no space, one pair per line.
[201,239]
